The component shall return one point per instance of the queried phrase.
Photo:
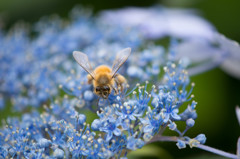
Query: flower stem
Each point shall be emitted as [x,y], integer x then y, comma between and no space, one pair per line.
[216,151]
[200,146]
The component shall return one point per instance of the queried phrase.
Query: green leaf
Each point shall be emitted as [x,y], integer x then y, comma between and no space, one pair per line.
[149,151]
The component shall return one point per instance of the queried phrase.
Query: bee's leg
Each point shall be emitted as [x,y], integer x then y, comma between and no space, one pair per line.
[120,81]
[100,105]
[115,90]
[90,79]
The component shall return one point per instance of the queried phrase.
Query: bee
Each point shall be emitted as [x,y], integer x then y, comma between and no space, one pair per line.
[104,79]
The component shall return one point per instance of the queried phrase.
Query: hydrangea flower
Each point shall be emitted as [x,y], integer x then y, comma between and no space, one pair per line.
[155,22]
[41,72]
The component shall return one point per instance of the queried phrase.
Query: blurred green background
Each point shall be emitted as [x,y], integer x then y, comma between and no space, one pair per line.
[217,93]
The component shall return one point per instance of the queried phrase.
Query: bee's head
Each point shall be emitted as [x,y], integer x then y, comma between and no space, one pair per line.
[103,91]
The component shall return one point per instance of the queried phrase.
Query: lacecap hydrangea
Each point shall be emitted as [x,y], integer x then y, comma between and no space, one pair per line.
[40,72]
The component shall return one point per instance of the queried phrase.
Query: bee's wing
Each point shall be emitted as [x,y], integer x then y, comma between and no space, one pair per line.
[83,61]
[121,58]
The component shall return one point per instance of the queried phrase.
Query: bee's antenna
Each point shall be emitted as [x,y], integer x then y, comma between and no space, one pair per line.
[98,99]
[98,105]
[108,102]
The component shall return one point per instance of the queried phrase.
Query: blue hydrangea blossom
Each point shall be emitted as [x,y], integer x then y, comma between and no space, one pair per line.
[40,72]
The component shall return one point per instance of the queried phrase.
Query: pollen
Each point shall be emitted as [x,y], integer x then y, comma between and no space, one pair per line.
[193,143]
[60,86]
[72,71]
[84,137]
[165,69]
[173,65]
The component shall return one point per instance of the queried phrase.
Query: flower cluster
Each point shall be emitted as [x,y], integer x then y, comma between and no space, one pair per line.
[37,69]
[33,67]
[128,123]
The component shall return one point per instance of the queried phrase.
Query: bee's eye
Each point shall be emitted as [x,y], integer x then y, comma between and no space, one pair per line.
[97,89]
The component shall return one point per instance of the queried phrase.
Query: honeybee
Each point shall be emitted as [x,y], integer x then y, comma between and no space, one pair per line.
[103,78]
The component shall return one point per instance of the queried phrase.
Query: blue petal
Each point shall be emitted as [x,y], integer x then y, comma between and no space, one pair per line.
[44,142]
[132,117]
[58,153]
[166,117]
[175,116]
[144,121]
[131,143]
[139,143]
[111,119]
[109,136]
[96,124]
[81,119]
[125,125]
[117,132]
[88,95]
[3,152]
[172,126]
[175,111]
[181,144]
[190,122]
[148,128]
[201,138]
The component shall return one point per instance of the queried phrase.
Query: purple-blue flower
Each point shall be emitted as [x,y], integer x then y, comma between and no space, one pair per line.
[39,72]
[110,127]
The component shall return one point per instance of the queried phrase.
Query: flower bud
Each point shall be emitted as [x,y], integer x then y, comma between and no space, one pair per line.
[201,138]
[58,153]
[96,124]
[81,119]
[88,95]
[181,144]
[190,122]
[44,142]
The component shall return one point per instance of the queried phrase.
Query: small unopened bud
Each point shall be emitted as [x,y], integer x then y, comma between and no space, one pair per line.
[190,122]
[181,144]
